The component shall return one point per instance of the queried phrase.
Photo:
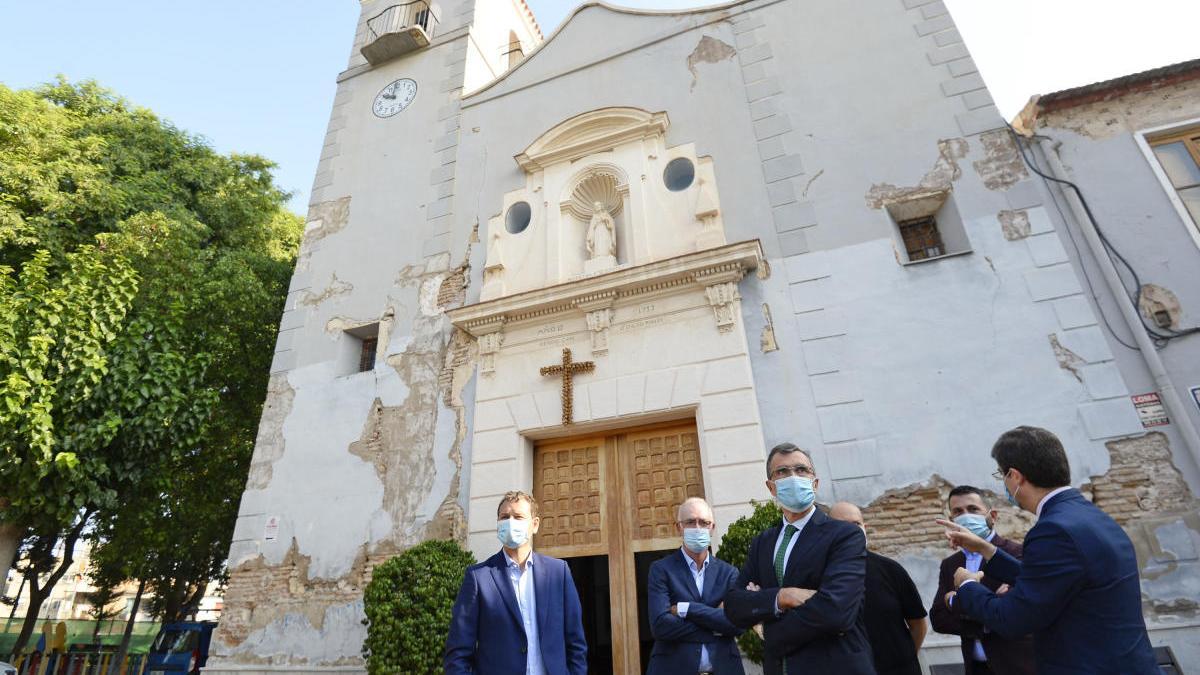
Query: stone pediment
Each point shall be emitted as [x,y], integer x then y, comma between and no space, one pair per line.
[589,133]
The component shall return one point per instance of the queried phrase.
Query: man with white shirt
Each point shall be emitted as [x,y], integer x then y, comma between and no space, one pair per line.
[517,612]
[984,652]
[685,592]
[1077,588]
[804,580]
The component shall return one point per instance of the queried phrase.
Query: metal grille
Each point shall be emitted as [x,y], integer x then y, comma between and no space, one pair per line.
[921,238]
[366,358]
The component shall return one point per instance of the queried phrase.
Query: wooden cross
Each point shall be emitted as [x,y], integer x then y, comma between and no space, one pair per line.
[567,371]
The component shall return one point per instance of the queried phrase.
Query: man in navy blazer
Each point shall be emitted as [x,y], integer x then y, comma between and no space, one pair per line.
[518,611]
[686,589]
[804,580]
[1077,588]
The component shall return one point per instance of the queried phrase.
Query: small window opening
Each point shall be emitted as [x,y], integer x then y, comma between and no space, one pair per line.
[366,356]
[359,356]
[927,226]
[921,238]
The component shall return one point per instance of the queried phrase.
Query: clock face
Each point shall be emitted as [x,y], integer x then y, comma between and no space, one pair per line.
[394,98]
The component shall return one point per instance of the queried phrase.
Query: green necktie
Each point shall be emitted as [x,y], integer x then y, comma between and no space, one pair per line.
[788,533]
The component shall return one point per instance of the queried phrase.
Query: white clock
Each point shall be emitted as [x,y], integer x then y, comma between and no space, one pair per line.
[394,98]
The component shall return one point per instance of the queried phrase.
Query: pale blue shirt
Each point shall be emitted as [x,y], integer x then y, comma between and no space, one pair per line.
[682,607]
[522,582]
[974,562]
[799,525]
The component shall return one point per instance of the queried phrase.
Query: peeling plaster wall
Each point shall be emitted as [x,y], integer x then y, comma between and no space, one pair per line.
[1097,144]
[898,377]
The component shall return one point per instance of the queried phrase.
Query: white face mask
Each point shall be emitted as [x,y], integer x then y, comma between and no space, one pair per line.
[512,533]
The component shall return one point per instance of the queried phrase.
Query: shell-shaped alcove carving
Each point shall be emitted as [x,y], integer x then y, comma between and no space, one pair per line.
[599,185]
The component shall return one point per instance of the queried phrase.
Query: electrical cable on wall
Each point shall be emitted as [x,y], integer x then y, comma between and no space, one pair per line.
[1160,336]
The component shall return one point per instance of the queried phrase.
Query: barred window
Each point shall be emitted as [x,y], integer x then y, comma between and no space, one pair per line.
[921,238]
[366,357]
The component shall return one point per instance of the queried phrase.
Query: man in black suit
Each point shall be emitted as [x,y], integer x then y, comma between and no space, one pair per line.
[983,651]
[804,580]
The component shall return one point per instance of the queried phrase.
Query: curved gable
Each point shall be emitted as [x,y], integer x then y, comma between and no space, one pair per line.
[591,132]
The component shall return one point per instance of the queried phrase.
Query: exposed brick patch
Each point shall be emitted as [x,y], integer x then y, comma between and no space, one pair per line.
[1141,480]
[268,593]
[1014,224]
[454,288]
[1002,166]
[903,519]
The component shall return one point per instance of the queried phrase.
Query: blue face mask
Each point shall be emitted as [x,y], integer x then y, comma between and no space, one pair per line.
[512,533]
[696,539]
[795,493]
[976,523]
[1012,496]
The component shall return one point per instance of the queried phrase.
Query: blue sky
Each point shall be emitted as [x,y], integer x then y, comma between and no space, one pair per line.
[257,76]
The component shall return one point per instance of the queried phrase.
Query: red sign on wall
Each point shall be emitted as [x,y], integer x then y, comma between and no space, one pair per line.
[1150,409]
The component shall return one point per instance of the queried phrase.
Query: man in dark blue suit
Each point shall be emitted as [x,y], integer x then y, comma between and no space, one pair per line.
[518,611]
[1077,588]
[686,588]
[804,580]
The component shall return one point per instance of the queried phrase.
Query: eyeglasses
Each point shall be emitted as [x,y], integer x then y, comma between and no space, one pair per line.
[801,470]
[999,474]
[696,522]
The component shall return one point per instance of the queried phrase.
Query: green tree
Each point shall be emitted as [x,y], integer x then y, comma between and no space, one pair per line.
[408,605]
[735,545]
[174,367]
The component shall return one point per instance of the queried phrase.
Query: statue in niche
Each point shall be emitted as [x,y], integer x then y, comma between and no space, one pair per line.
[601,234]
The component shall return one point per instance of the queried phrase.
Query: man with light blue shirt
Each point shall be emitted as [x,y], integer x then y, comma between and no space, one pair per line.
[518,611]
[984,652]
[686,590]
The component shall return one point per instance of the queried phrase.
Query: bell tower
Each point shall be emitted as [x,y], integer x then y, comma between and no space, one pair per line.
[355,456]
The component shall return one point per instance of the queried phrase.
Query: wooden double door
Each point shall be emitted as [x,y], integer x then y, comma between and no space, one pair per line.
[608,505]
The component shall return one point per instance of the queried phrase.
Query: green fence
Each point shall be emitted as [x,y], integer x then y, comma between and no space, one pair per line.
[79,632]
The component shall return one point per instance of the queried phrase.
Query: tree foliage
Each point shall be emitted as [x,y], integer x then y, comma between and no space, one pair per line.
[735,545]
[142,276]
[408,606]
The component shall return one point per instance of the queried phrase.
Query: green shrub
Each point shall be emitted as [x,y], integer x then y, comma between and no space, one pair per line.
[408,606]
[734,547]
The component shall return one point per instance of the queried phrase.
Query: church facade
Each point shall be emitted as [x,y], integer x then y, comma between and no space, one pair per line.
[613,267]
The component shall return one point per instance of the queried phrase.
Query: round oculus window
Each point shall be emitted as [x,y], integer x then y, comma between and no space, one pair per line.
[679,174]
[517,218]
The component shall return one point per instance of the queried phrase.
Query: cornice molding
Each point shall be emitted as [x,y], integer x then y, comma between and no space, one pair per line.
[703,268]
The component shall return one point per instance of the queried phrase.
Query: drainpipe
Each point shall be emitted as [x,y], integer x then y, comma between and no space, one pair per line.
[1166,388]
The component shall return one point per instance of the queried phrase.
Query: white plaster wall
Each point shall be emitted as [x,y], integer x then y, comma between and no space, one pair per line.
[666,357]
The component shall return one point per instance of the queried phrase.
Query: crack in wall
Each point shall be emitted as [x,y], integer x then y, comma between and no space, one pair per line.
[336,287]
[1067,359]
